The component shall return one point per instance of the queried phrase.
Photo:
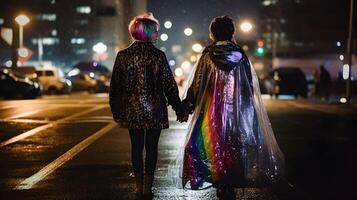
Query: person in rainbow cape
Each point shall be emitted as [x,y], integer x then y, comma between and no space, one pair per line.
[230,142]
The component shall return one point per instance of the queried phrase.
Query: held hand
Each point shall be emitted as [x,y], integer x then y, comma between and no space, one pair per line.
[182,118]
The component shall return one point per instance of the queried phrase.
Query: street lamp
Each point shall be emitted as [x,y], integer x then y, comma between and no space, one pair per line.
[100,50]
[197,47]
[168,24]
[188,31]
[100,47]
[246,26]
[21,20]
[164,37]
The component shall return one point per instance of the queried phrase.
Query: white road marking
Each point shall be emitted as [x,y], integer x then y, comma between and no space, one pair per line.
[47,170]
[25,114]
[8,107]
[46,126]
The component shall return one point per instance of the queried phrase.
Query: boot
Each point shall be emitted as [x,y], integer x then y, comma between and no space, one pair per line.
[139,185]
[148,180]
[226,193]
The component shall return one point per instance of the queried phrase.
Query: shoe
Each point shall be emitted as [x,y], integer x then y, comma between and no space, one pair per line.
[148,181]
[226,193]
[139,182]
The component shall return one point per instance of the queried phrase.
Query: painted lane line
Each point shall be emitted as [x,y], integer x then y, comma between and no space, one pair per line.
[47,170]
[46,126]
[31,121]
[7,107]
[25,114]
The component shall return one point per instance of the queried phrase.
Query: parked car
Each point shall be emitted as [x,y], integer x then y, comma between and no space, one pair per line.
[90,76]
[25,72]
[289,81]
[12,86]
[53,81]
[83,82]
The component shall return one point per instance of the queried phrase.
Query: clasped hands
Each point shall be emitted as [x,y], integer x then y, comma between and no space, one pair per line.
[183,117]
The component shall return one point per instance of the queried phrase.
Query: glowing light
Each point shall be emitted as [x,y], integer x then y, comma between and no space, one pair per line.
[23,52]
[164,37]
[188,31]
[342,57]
[91,75]
[168,24]
[245,47]
[197,47]
[186,66]
[178,72]
[193,58]
[346,71]
[260,43]
[99,47]
[8,63]
[22,20]
[73,72]
[343,100]
[172,62]
[246,26]
[338,44]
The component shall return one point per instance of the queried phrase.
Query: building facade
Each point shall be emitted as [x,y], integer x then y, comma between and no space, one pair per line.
[293,28]
[65,31]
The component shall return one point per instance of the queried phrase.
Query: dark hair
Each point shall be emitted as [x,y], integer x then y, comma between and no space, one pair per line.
[222,28]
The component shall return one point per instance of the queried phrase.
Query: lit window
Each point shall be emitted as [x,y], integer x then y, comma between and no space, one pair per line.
[81,22]
[84,9]
[282,20]
[82,51]
[47,17]
[54,32]
[78,41]
[269,2]
[2,21]
[46,41]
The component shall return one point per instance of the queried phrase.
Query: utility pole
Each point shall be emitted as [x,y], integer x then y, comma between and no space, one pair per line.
[349,53]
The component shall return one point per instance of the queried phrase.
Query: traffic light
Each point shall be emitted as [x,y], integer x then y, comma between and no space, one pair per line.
[260,49]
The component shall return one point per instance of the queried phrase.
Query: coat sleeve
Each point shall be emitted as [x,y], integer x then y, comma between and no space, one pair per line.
[192,92]
[170,88]
[115,88]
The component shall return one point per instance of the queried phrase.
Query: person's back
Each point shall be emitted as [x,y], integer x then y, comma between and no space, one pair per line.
[230,142]
[141,86]
[141,76]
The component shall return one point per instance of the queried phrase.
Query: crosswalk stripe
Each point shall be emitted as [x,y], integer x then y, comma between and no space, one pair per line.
[47,170]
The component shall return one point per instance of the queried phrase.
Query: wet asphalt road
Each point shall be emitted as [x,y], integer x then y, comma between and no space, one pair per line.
[68,147]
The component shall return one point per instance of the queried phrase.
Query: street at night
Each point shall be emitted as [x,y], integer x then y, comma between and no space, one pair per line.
[178,100]
[68,147]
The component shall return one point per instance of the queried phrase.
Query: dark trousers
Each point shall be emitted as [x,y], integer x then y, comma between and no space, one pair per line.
[149,138]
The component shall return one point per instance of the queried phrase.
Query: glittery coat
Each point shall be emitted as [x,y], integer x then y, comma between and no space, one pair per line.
[142,85]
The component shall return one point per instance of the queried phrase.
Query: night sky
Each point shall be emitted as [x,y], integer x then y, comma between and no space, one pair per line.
[197,14]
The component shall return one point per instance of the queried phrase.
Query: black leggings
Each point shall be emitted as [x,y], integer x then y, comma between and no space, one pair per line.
[151,139]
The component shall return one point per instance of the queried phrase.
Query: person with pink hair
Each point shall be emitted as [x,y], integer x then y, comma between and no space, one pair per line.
[141,86]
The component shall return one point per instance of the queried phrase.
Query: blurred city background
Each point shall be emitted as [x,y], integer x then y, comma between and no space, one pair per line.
[57,136]
[289,42]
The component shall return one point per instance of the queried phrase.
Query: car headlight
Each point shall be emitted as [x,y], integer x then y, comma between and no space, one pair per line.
[69,83]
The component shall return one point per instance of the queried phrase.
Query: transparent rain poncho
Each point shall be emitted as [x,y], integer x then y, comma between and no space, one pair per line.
[229,140]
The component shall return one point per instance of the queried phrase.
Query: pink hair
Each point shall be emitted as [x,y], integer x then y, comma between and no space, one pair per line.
[142,27]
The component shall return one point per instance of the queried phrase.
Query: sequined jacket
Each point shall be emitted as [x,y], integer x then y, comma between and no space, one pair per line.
[142,85]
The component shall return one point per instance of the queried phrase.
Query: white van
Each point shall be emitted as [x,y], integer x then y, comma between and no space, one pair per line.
[53,81]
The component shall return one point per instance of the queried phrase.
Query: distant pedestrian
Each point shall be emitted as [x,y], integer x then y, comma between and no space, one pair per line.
[230,143]
[141,84]
[323,83]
